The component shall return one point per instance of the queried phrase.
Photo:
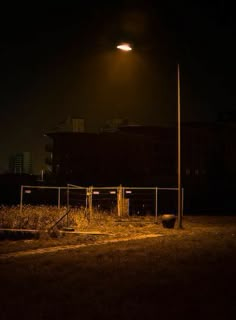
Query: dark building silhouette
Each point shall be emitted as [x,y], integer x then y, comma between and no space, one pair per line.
[147,156]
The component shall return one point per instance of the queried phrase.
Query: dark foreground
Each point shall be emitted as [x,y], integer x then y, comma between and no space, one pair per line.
[188,275]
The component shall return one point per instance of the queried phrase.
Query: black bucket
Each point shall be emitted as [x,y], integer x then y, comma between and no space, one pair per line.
[168,220]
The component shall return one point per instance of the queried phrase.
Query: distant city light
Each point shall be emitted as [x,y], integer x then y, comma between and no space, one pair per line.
[112,192]
[96,192]
[27,191]
[128,191]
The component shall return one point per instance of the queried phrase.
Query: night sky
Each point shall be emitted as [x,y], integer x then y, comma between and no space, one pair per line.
[59,61]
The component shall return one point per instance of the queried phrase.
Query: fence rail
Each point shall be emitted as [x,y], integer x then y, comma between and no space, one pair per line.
[125,200]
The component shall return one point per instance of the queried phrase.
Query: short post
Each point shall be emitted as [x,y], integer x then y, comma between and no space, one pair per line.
[59,198]
[68,198]
[90,202]
[86,198]
[119,201]
[156,205]
[87,203]
[21,198]
[124,209]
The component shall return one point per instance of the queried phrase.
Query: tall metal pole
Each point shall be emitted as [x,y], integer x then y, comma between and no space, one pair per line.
[179,224]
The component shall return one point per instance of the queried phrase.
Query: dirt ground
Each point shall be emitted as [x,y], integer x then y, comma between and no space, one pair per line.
[135,269]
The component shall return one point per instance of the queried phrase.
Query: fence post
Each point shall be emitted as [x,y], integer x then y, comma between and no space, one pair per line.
[119,201]
[59,198]
[125,205]
[86,200]
[68,198]
[156,205]
[90,202]
[21,198]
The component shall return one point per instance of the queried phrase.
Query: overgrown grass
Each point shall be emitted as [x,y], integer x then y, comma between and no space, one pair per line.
[43,217]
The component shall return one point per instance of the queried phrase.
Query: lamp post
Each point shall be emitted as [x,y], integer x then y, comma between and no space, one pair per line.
[127,47]
[179,224]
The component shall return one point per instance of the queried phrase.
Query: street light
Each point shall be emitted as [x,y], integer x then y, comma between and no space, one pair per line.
[127,47]
[124,46]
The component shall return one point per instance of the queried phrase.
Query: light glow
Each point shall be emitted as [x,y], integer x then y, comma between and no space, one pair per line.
[124,47]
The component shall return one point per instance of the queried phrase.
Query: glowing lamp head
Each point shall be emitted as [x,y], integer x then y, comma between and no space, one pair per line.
[124,47]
